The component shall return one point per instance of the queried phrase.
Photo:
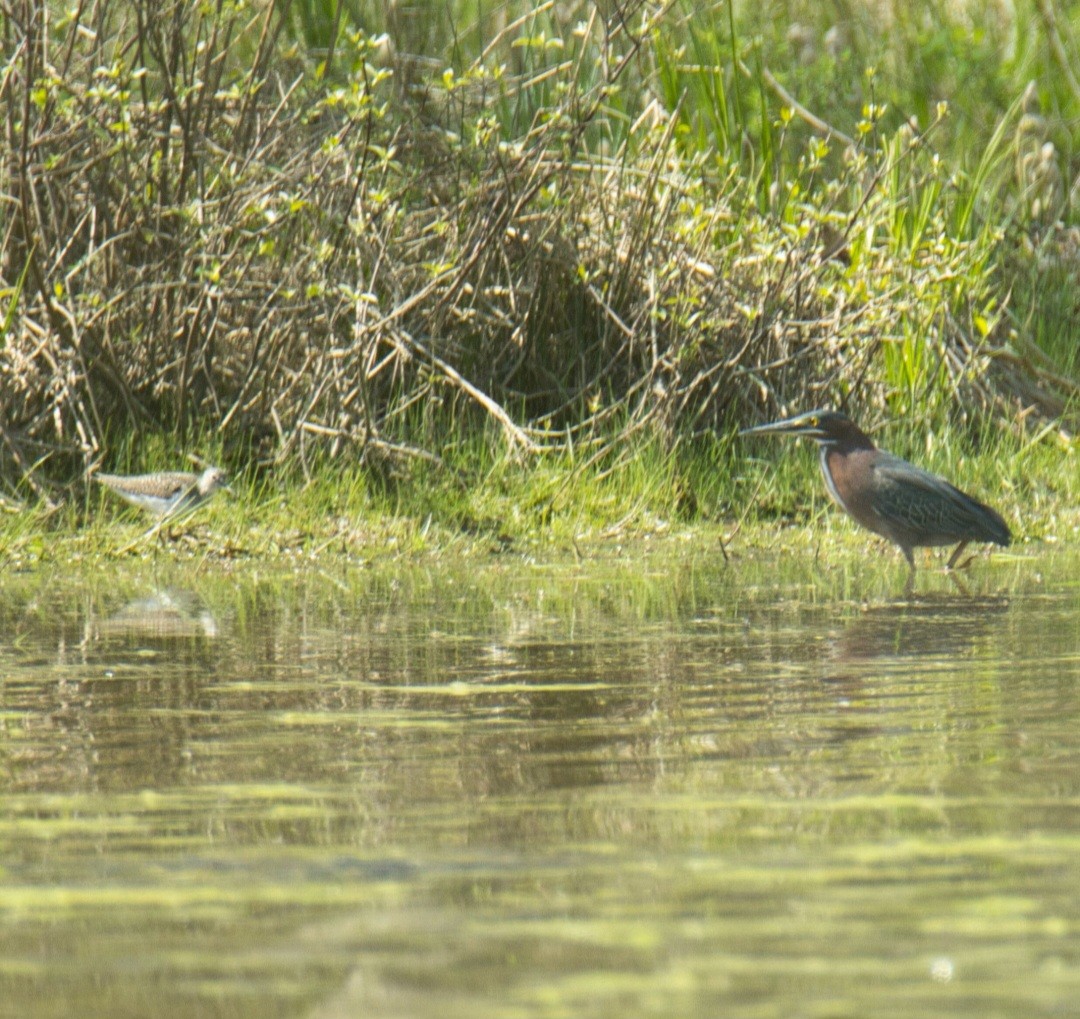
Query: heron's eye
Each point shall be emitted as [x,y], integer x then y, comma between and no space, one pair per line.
[813,422]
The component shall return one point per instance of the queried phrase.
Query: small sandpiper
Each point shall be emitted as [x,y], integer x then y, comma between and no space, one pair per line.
[166,494]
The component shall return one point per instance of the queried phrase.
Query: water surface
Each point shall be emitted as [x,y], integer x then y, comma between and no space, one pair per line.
[643,784]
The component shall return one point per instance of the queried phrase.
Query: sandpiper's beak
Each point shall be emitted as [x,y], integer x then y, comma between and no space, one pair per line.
[221,482]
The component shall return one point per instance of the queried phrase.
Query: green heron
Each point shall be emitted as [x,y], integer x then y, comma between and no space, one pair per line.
[889,496]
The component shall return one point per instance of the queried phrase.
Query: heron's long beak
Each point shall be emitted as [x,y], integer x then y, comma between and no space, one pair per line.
[800,425]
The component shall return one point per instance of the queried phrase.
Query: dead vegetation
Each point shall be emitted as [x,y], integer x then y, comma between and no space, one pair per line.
[200,235]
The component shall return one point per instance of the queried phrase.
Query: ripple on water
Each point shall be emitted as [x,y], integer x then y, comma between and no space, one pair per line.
[585,789]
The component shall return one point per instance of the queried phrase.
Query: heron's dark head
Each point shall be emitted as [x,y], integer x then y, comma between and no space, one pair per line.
[828,427]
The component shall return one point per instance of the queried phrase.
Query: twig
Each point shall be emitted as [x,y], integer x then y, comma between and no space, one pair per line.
[786,97]
[1057,46]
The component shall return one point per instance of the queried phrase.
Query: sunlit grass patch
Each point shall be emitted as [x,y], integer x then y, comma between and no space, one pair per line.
[515,272]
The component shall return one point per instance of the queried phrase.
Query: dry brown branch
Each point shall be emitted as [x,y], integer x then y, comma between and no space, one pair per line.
[800,111]
[302,275]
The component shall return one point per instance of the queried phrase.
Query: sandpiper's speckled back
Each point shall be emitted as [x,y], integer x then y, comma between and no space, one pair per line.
[168,492]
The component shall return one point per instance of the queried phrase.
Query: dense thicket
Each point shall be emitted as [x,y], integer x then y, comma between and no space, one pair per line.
[581,220]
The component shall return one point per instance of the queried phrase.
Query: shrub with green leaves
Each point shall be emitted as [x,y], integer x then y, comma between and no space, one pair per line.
[364,227]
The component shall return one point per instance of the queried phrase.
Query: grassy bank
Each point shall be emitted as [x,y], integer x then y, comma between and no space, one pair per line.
[519,270]
[728,497]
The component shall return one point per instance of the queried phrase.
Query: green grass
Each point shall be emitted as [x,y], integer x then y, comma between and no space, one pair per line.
[747,494]
[475,273]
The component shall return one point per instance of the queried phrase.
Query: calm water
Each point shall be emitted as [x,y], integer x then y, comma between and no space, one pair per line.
[641,785]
